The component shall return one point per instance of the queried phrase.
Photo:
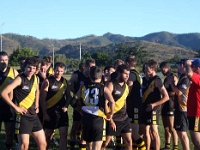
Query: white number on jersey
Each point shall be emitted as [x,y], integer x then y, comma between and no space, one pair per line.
[91,96]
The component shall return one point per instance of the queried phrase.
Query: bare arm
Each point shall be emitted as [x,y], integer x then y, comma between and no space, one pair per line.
[72,81]
[111,101]
[43,95]
[16,72]
[68,95]
[163,92]
[112,123]
[174,80]
[189,71]
[131,80]
[76,97]
[11,93]
[37,97]
[174,88]
[68,98]
[5,95]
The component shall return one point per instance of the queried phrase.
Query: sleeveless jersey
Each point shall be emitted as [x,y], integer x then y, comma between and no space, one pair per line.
[56,95]
[170,103]
[50,71]
[6,77]
[93,99]
[120,94]
[80,80]
[41,79]
[135,95]
[144,84]
[167,85]
[25,93]
[180,102]
[151,93]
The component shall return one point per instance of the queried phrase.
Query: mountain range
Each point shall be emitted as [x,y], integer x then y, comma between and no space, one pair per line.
[183,45]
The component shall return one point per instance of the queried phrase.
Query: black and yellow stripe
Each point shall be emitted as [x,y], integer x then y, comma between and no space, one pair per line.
[28,101]
[9,77]
[58,96]
[149,90]
[50,71]
[197,124]
[122,100]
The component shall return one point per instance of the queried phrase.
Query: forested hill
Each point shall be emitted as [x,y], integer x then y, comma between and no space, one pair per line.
[177,44]
[190,40]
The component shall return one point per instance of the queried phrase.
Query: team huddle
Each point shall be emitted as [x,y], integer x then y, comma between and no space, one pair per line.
[114,104]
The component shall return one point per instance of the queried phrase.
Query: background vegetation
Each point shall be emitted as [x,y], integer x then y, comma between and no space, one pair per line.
[160,46]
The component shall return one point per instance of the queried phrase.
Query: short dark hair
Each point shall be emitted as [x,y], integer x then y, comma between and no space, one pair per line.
[108,67]
[88,61]
[164,64]
[131,60]
[44,62]
[59,64]
[143,67]
[81,66]
[182,61]
[152,64]
[121,68]
[3,53]
[32,61]
[118,62]
[95,73]
[48,58]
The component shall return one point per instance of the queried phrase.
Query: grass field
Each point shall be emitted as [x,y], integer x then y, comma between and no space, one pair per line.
[33,145]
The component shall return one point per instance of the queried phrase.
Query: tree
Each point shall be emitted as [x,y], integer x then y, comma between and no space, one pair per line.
[18,53]
[102,58]
[85,56]
[73,64]
[198,53]
[60,58]
[138,51]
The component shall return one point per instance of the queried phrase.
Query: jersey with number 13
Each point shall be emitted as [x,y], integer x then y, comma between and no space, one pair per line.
[93,101]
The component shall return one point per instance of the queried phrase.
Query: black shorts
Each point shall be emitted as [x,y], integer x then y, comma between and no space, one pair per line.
[40,115]
[121,127]
[93,128]
[57,119]
[7,113]
[76,115]
[181,121]
[167,109]
[150,118]
[194,124]
[27,124]
[134,115]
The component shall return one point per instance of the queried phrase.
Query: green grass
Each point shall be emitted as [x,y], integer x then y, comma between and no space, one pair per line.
[33,145]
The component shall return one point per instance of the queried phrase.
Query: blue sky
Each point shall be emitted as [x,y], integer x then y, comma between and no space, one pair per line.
[62,19]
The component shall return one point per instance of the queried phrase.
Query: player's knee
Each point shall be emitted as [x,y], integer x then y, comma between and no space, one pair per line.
[167,130]
[24,145]
[155,134]
[128,142]
[42,144]
[196,143]
[105,144]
